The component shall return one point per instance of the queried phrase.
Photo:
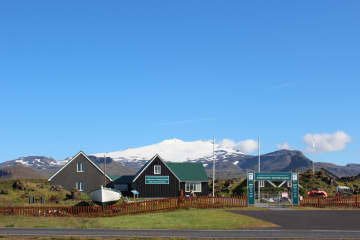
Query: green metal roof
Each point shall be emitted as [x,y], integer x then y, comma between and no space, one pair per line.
[187,171]
[114,177]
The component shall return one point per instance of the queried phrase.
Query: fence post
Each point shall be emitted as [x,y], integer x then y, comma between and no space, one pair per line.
[356,200]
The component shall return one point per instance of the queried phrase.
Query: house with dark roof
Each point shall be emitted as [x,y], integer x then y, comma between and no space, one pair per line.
[160,179]
[156,179]
[80,173]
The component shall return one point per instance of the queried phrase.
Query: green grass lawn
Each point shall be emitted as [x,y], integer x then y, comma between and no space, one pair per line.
[179,219]
[88,238]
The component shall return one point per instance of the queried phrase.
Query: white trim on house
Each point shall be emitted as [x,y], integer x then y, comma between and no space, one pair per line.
[82,153]
[80,167]
[151,160]
[157,169]
[79,186]
[196,185]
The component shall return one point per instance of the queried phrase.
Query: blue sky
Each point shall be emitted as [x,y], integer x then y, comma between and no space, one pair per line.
[104,76]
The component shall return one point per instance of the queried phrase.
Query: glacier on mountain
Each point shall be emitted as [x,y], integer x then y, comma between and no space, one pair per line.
[174,150]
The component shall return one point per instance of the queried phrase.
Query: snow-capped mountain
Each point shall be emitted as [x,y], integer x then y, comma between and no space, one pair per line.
[175,150]
[230,161]
[36,162]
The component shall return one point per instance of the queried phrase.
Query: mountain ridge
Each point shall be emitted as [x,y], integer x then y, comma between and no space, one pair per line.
[230,162]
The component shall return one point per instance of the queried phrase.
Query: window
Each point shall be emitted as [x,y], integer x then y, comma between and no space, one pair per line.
[79,167]
[192,187]
[80,186]
[157,169]
[262,183]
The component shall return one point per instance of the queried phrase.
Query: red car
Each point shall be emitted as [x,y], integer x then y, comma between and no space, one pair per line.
[317,193]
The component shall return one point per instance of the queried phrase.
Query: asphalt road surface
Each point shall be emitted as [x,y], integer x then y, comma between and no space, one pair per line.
[247,234]
[314,220]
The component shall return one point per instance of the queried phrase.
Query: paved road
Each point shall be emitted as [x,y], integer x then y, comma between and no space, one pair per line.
[303,220]
[259,233]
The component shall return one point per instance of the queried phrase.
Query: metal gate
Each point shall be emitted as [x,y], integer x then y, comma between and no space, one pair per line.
[274,199]
[273,189]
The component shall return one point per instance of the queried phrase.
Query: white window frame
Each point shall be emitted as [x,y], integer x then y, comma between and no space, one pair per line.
[192,187]
[262,183]
[157,169]
[80,167]
[79,186]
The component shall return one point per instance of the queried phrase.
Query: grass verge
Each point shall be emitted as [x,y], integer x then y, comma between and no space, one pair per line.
[179,219]
[87,238]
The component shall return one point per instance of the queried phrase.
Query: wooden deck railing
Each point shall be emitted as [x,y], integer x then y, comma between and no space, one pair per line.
[341,202]
[147,206]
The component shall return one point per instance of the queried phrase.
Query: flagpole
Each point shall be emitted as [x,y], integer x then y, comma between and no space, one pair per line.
[104,170]
[213,167]
[313,146]
[259,167]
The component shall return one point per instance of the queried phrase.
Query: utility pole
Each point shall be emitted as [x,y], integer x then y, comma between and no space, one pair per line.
[213,167]
[259,167]
[104,170]
[313,146]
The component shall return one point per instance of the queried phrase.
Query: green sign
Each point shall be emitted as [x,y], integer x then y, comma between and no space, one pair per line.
[273,176]
[295,188]
[251,188]
[287,176]
[156,179]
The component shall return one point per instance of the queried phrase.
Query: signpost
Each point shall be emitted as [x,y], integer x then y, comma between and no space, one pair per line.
[251,188]
[295,189]
[156,179]
[273,176]
[277,176]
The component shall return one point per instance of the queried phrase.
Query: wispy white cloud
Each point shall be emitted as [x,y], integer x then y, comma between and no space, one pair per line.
[282,85]
[245,146]
[180,122]
[326,142]
[284,146]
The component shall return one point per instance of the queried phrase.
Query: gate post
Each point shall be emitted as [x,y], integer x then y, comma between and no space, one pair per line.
[295,188]
[251,188]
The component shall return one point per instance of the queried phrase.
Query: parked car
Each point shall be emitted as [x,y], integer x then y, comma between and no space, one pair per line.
[318,193]
[344,191]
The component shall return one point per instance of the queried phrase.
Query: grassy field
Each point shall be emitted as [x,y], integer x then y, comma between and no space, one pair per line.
[87,238]
[37,188]
[179,219]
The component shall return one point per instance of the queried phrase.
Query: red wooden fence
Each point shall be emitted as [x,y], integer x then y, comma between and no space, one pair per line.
[147,206]
[341,202]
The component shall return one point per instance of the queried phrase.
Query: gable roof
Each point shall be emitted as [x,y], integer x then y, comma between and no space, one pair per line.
[184,171]
[188,171]
[147,164]
[124,179]
[83,154]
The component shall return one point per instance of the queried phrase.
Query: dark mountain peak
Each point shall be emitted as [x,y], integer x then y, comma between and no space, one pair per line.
[100,160]
[17,172]
[39,162]
[285,152]
[357,165]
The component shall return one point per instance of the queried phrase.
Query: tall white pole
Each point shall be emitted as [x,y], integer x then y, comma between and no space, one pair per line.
[259,168]
[313,146]
[104,170]
[213,167]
